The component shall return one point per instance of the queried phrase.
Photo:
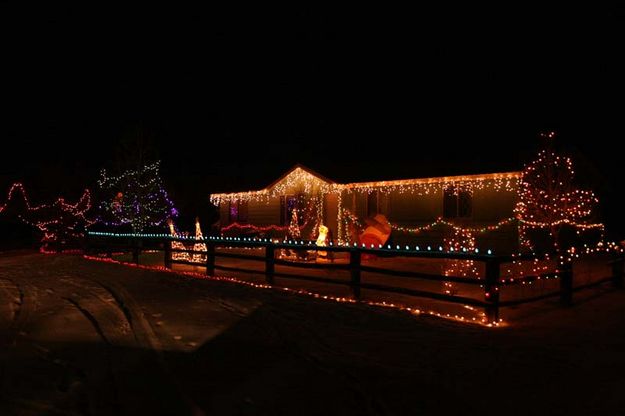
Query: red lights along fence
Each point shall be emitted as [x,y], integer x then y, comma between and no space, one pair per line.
[491,282]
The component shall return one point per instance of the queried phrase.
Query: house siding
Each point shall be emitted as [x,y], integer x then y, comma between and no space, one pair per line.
[404,209]
[264,213]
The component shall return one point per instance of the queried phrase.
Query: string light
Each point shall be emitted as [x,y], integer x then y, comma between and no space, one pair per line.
[339,226]
[137,198]
[479,319]
[60,222]
[352,226]
[425,186]
[460,240]
[263,241]
[294,230]
[297,178]
[310,184]
[316,187]
[308,215]
[251,227]
[441,221]
[199,244]
[548,199]
[571,206]
[177,245]
[537,270]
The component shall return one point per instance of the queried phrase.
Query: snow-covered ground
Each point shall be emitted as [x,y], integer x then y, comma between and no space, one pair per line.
[85,337]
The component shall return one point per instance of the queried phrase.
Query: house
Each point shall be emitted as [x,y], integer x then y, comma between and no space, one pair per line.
[430,211]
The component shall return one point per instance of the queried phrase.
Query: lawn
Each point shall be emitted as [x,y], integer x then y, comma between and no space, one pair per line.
[85,337]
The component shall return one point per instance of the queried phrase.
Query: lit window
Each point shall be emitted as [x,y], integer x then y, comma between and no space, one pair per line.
[457,203]
[238,212]
[288,203]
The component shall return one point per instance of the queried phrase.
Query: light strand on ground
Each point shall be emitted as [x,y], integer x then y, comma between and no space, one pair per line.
[479,320]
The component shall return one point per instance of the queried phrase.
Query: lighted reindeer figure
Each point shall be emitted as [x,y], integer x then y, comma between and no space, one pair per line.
[62,224]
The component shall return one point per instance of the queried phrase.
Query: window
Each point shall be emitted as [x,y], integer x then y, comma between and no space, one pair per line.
[457,203]
[372,203]
[238,212]
[377,203]
[287,204]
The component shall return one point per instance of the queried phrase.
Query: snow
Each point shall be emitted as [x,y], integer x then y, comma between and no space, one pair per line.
[85,337]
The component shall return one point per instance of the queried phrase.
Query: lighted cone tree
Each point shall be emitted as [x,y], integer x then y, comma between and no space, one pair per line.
[293,233]
[294,230]
[137,198]
[177,245]
[199,246]
[549,200]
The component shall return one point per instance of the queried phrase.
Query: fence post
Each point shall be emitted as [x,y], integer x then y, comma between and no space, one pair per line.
[86,243]
[354,267]
[135,250]
[566,283]
[617,272]
[270,263]
[491,290]
[167,249]
[210,259]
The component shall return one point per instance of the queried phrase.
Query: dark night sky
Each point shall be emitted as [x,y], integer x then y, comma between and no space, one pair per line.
[231,99]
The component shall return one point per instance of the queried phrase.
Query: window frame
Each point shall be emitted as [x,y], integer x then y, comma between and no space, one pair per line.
[462,201]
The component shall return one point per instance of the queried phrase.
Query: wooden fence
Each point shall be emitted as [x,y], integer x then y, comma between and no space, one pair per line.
[491,282]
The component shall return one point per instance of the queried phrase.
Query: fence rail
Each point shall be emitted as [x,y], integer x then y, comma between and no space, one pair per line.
[491,282]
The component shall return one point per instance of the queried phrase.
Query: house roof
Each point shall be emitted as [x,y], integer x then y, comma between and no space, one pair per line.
[305,169]
[382,183]
[438,179]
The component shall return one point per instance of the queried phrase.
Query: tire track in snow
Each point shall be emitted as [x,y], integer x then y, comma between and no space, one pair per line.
[143,329]
[110,318]
[25,306]
[11,298]
[144,335]
[90,318]
[312,347]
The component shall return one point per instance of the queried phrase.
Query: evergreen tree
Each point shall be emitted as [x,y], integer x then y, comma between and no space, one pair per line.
[136,197]
[549,199]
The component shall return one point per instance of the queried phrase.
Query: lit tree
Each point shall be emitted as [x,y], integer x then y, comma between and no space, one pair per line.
[549,200]
[460,240]
[199,246]
[136,197]
[294,230]
[294,233]
[177,245]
